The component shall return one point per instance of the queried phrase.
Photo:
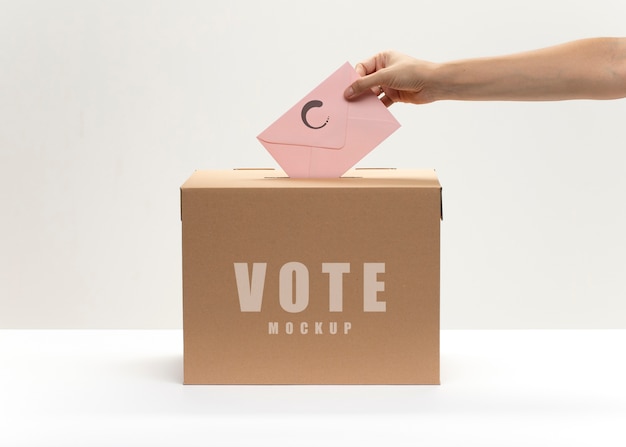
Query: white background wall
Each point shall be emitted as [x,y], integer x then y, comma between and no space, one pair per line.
[106,107]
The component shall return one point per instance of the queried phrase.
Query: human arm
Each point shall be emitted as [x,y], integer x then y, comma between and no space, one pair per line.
[584,69]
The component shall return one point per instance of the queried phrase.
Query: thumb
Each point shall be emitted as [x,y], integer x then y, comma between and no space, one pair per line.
[361,85]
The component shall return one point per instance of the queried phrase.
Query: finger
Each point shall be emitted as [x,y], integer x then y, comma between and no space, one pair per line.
[377,90]
[360,69]
[366,67]
[369,82]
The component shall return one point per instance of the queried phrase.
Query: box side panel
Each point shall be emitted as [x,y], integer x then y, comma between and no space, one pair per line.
[349,285]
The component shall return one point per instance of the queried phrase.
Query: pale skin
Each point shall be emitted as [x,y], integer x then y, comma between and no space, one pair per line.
[592,68]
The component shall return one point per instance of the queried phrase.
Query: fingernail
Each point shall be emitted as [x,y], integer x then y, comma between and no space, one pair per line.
[349,93]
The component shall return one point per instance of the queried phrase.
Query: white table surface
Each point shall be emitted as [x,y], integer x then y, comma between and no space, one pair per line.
[499,388]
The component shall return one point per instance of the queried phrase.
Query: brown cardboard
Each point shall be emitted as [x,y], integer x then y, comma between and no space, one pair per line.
[376,324]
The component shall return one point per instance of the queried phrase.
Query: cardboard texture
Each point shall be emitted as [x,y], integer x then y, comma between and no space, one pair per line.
[311,281]
[324,135]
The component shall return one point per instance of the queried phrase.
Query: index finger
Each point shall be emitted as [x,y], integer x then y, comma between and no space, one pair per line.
[366,67]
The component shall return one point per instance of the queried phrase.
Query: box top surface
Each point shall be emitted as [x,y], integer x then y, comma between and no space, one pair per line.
[272,178]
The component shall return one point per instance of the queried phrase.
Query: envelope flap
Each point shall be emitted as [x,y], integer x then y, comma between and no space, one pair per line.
[319,119]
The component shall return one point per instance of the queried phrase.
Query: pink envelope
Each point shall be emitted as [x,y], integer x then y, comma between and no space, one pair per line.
[324,135]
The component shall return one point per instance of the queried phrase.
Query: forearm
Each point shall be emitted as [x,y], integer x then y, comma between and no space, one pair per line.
[583,69]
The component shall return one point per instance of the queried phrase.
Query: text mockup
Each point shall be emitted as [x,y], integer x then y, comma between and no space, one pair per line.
[293,293]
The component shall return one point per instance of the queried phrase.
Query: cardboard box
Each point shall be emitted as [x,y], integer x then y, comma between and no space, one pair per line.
[311,281]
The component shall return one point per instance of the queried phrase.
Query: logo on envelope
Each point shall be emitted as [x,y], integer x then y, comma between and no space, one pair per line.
[324,135]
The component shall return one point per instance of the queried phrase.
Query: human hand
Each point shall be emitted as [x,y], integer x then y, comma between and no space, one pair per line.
[395,76]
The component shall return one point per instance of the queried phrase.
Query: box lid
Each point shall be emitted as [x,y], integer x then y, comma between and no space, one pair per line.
[275,178]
